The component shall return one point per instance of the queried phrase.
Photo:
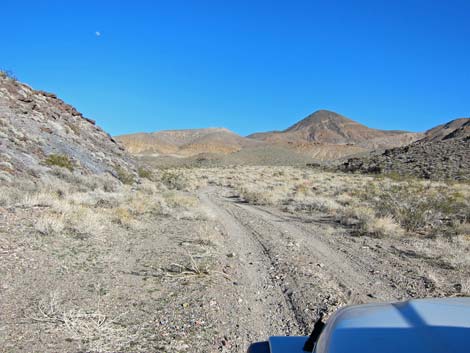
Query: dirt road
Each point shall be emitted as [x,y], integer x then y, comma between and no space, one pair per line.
[288,269]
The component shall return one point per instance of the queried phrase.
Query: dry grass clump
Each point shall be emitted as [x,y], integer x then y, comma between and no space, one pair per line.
[366,221]
[180,200]
[10,196]
[192,268]
[50,224]
[316,203]
[94,330]
[123,217]
[384,226]
[359,216]
[463,229]
[258,195]
[66,218]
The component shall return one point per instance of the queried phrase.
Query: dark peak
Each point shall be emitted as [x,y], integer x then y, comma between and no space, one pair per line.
[320,117]
[324,114]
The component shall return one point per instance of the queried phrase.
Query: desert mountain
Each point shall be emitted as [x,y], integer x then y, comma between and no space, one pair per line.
[444,152]
[329,128]
[186,142]
[39,131]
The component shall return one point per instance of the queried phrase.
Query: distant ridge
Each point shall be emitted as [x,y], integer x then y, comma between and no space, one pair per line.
[323,135]
[327,127]
[186,142]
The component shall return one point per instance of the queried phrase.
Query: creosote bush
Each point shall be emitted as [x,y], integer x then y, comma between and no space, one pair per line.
[59,160]
[124,176]
[174,180]
[144,173]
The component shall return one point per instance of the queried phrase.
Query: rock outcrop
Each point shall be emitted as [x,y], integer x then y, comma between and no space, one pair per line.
[38,131]
[443,153]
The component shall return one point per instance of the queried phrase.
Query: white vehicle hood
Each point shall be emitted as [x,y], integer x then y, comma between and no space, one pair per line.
[415,326]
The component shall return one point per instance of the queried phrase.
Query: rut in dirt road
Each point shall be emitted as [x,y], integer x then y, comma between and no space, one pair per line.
[307,277]
[265,310]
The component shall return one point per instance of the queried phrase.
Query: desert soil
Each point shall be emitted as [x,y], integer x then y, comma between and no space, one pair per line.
[189,285]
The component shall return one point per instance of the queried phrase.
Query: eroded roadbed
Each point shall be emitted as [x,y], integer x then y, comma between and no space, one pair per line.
[293,268]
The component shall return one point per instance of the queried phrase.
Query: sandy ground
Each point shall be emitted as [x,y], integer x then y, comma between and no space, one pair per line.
[198,285]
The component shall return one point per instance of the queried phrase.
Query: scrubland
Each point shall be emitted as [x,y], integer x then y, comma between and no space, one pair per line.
[89,263]
[372,205]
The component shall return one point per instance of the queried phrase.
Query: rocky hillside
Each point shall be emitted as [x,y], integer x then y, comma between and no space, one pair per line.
[186,142]
[453,129]
[444,153]
[329,128]
[39,131]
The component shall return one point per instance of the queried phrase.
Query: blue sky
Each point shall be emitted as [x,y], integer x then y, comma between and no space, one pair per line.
[249,65]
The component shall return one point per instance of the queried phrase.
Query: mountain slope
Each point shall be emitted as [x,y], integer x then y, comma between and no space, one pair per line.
[186,142]
[444,153]
[326,127]
[452,129]
[38,130]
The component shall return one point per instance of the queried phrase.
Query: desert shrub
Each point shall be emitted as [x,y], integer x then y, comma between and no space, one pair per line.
[124,176]
[180,200]
[59,160]
[50,224]
[383,226]
[366,222]
[462,229]
[84,220]
[302,189]
[417,206]
[258,196]
[123,216]
[345,199]
[174,180]
[357,216]
[317,203]
[144,173]
[149,187]
[109,185]
[10,196]
[7,74]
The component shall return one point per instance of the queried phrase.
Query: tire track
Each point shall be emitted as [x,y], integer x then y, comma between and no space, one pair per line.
[302,323]
[263,314]
[357,284]
[303,275]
